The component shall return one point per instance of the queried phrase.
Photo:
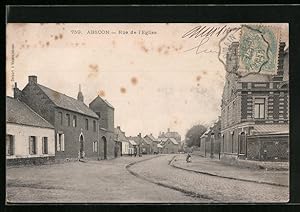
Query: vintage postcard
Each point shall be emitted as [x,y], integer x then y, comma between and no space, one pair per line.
[147,112]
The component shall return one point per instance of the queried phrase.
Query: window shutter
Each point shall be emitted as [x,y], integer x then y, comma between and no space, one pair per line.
[57,142]
[63,142]
[43,145]
[29,146]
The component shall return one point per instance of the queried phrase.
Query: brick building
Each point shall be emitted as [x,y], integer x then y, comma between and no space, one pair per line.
[29,137]
[109,148]
[255,111]
[77,127]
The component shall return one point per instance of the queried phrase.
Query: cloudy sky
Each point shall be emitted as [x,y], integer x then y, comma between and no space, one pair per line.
[147,74]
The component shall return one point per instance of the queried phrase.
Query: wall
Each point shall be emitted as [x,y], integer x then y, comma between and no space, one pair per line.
[71,134]
[106,113]
[268,147]
[170,148]
[34,97]
[125,148]
[21,135]
[109,136]
[30,161]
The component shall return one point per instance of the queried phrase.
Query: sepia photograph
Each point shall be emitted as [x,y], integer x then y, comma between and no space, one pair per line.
[147,113]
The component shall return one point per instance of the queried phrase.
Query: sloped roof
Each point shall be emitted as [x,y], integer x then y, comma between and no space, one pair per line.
[151,137]
[146,141]
[271,128]
[138,139]
[132,142]
[159,146]
[120,135]
[18,112]
[66,102]
[256,77]
[173,141]
[103,100]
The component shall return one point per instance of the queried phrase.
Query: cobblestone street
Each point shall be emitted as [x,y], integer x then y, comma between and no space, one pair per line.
[130,179]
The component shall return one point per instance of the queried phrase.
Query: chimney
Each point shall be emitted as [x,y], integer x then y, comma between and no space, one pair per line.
[118,127]
[80,95]
[32,79]
[17,92]
[140,135]
[168,129]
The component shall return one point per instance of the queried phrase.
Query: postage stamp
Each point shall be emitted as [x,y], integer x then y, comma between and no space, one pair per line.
[258,49]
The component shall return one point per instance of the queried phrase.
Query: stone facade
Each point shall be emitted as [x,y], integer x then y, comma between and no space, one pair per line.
[251,101]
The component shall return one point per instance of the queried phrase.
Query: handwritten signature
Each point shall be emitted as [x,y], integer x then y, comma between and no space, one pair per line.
[205,33]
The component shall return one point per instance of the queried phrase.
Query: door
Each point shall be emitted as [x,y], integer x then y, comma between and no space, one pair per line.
[81,149]
[104,147]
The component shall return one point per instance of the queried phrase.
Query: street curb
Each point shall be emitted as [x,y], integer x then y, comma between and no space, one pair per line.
[186,192]
[231,178]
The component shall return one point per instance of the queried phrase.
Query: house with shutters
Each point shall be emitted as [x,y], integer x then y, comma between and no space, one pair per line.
[29,137]
[255,111]
[78,131]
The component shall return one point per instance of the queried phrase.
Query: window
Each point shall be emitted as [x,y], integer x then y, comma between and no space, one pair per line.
[95,146]
[32,145]
[74,121]
[45,145]
[86,124]
[69,120]
[60,142]
[60,117]
[94,125]
[259,108]
[9,145]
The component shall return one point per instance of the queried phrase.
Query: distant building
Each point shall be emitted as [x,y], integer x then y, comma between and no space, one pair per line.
[125,144]
[143,146]
[170,134]
[255,111]
[133,147]
[29,137]
[211,141]
[169,145]
[153,143]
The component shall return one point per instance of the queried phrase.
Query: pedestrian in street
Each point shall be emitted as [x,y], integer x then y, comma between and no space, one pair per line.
[188,158]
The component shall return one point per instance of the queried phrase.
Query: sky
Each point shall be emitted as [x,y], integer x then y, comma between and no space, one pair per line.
[154,75]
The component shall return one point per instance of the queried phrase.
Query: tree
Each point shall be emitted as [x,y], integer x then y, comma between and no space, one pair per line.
[193,135]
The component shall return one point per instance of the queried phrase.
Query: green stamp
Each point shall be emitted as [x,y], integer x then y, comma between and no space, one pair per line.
[258,49]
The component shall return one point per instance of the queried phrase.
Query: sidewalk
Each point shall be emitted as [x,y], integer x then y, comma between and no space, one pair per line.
[218,168]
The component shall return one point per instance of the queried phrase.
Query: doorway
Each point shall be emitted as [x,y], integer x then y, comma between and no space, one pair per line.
[104,147]
[81,148]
